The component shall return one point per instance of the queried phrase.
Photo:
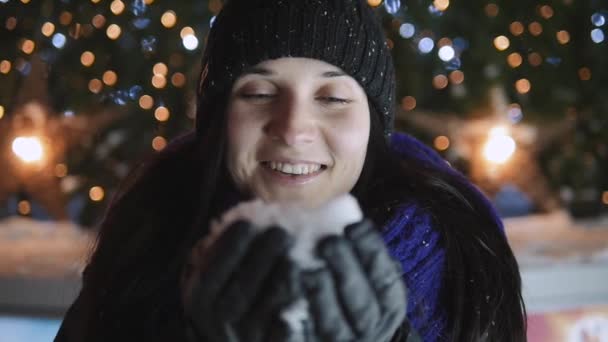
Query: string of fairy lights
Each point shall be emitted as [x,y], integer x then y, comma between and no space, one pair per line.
[61,30]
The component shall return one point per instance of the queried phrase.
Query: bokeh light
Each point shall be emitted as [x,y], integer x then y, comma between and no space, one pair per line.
[159,81]
[65,18]
[96,194]
[597,35]
[186,31]
[24,207]
[516,28]
[501,43]
[514,60]
[598,19]
[523,86]
[59,40]
[500,146]
[146,102]
[408,103]
[5,66]
[113,31]
[426,45]
[87,58]
[159,143]
[535,59]
[491,10]
[546,11]
[457,77]
[95,86]
[48,29]
[1,112]
[535,28]
[160,69]
[374,3]
[446,53]
[178,80]
[584,74]
[110,78]
[563,37]
[28,149]
[28,46]
[98,21]
[407,30]
[168,19]
[605,197]
[441,5]
[441,143]
[117,7]
[162,114]
[440,81]
[190,42]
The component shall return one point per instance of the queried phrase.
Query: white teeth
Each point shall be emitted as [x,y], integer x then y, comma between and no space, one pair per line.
[295,169]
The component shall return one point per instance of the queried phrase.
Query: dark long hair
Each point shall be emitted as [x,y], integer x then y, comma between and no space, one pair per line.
[131,283]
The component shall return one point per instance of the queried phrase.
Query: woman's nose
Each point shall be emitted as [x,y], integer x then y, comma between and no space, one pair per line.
[292,122]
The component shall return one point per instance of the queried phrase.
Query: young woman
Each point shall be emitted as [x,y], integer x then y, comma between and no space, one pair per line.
[296,105]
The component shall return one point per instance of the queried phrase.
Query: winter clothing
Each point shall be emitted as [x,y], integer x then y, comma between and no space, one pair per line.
[344,33]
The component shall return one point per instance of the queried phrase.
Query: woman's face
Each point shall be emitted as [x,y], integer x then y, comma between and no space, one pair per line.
[298,130]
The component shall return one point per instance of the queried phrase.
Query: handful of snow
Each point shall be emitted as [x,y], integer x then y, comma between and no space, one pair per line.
[307,225]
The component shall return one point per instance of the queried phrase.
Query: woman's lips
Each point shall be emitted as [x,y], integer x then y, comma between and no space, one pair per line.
[290,179]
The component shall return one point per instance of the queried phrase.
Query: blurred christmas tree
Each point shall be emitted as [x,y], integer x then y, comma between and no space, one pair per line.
[141,57]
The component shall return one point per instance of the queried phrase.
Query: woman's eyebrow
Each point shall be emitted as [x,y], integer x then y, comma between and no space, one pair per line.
[333,73]
[258,71]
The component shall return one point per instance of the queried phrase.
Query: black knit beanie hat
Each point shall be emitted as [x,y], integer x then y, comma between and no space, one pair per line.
[344,33]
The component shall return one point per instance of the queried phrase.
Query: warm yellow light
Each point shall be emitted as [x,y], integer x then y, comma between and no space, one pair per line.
[113,31]
[457,77]
[95,86]
[160,69]
[186,31]
[563,37]
[61,170]
[161,114]
[148,2]
[117,7]
[87,58]
[441,5]
[523,86]
[440,81]
[146,102]
[65,18]
[98,21]
[514,60]
[374,3]
[442,143]
[491,10]
[516,28]
[605,197]
[110,78]
[24,207]
[159,81]
[178,79]
[546,11]
[95,1]
[584,74]
[25,1]
[535,28]
[11,23]
[5,66]
[501,43]
[96,193]
[499,147]
[215,6]
[28,149]
[158,143]
[48,29]
[1,112]
[28,46]
[408,103]
[168,19]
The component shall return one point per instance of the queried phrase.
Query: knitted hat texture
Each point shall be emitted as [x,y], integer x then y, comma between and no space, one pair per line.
[344,33]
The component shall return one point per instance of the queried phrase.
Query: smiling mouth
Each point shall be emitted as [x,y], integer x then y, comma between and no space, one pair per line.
[294,170]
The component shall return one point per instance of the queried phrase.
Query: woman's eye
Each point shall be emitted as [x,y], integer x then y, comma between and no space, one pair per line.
[258,96]
[332,99]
